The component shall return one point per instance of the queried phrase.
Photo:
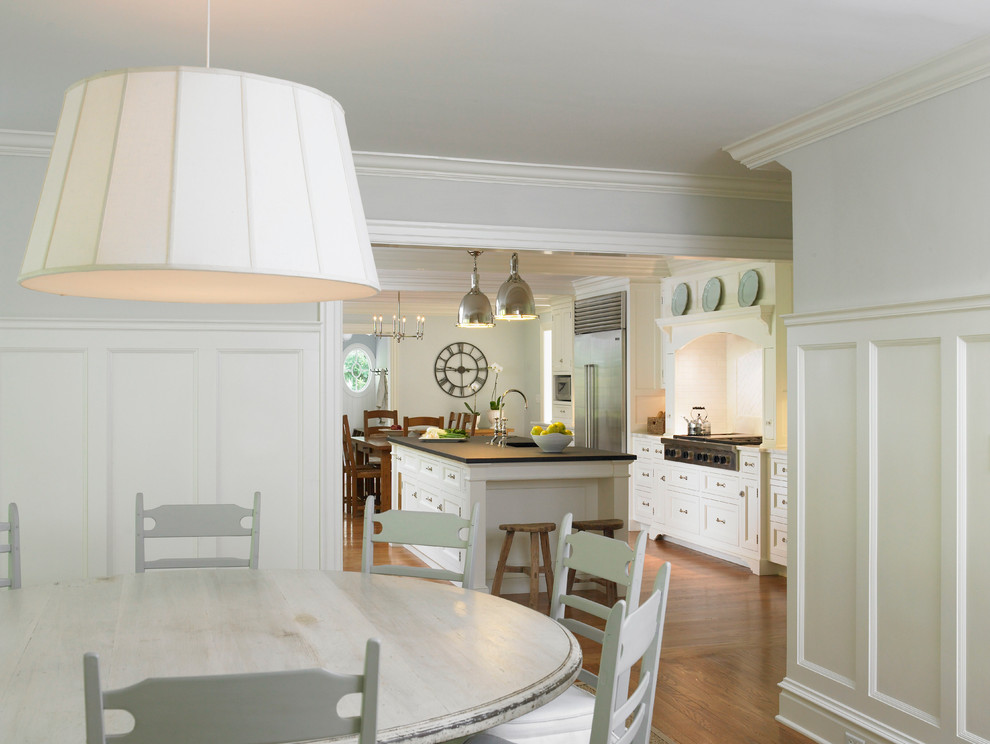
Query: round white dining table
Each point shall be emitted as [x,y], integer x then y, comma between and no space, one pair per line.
[453,661]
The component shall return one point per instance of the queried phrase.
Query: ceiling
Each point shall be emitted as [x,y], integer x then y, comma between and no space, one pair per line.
[649,85]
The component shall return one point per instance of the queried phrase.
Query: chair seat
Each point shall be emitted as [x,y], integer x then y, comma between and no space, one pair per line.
[564,720]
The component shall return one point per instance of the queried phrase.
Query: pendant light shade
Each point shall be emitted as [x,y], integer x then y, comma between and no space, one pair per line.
[185,184]
[515,299]
[475,310]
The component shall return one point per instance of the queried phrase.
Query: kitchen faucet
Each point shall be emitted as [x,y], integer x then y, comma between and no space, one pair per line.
[501,432]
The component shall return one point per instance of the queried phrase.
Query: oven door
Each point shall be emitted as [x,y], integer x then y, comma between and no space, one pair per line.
[562,388]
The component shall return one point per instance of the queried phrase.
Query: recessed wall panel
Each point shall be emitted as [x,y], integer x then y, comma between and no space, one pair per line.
[830,517]
[153,445]
[974,643]
[907,532]
[43,418]
[259,445]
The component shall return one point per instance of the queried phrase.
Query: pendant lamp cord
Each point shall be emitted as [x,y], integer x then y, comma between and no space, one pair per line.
[208,14]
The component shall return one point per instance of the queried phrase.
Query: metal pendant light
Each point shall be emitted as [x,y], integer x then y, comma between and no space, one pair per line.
[475,310]
[515,299]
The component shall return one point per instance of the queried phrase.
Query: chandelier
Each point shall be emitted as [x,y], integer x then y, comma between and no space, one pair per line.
[398,331]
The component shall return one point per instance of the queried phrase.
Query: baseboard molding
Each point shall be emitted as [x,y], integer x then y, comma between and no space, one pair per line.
[826,720]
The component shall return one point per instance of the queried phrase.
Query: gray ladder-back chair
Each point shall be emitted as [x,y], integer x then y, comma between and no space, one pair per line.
[270,707]
[620,715]
[567,718]
[12,548]
[196,520]
[435,529]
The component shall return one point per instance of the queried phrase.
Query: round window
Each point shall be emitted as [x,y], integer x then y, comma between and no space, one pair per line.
[357,370]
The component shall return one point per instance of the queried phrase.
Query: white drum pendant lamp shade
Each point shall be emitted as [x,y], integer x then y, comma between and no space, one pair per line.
[186,184]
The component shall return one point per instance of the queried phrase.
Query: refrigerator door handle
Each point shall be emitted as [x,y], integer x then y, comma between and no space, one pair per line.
[591,405]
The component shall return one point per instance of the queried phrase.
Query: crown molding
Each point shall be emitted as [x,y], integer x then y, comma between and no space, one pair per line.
[389,165]
[26,144]
[459,235]
[565,176]
[960,67]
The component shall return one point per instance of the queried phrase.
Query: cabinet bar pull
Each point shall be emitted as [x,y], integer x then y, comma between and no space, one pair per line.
[682,511]
[428,468]
[451,476]
[719,485]
[720,521]
[683,477]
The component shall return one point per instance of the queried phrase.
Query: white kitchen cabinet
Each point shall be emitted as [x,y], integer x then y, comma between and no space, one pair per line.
[429,484]
[778,507]
[563,412]
[562,335]
[645,337]
[642,504]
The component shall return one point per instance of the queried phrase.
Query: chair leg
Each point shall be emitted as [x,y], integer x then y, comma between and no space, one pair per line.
[547,562]
[500,568]
[534,569]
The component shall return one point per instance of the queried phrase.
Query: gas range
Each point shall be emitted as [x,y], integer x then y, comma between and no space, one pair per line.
[713,451]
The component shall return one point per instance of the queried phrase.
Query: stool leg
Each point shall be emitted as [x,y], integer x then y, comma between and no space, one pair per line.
[502,558]
[534,570]
[547,563]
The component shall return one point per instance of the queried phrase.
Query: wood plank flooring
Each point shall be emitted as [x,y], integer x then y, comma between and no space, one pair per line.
[723,645]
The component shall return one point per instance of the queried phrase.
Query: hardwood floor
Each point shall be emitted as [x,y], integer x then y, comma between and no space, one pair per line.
[723,645]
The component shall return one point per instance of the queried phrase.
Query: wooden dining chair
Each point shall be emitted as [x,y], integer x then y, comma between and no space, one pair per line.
[275,707]
[598,556]
[410,421]
[357,473]
[619,715]
[196,520]
[435,529]
[466,421]
[378,416]
[12,547]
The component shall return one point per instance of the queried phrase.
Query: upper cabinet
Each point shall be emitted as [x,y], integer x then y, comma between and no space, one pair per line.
[562,334]
[645,338]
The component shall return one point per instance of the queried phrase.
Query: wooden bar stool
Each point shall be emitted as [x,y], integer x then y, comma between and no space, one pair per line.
[607,527]
[539,537]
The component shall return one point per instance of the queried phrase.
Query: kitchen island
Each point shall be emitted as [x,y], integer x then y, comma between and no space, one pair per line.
[512,484]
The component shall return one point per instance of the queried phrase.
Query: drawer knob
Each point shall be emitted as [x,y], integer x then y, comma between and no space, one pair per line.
[742,494]
[719,485]
[683,477]
[783,539]
[749,464]
[720,521]
[783,502]
[663,478]
[682,511]
[451,476]
[428,468]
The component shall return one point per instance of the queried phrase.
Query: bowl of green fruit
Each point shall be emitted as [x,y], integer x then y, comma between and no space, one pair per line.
[554,438]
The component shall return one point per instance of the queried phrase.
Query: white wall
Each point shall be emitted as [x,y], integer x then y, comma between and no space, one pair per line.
[515,345]
[888,621]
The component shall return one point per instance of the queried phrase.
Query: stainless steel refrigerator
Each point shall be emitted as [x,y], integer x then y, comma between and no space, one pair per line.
[599,382]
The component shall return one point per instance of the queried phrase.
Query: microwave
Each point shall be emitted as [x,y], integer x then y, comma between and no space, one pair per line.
[562,388]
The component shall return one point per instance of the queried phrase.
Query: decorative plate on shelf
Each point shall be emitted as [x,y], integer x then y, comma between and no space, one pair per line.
[679,302]
[749,287]
[712,295]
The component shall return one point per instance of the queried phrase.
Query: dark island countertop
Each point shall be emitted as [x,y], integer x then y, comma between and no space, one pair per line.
[477,450]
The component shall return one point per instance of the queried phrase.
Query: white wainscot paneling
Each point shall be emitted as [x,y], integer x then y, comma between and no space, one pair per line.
[906,549]
[973,517]
[827,494]
[43,420]
[153,445]
[267,430]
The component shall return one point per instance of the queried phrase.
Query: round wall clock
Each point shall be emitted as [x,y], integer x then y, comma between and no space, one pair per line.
[712,295]
[461,369]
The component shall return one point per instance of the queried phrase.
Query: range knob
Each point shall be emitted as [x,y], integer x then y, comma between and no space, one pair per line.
[685,454]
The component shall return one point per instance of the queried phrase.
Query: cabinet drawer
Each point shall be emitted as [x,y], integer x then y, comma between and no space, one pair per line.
[720,521]
[406,461]
[453,477]
[657,452]
[642,506]
[778,543]
[749,464]
[684,478]
[562,412]
[778,466]
[642,449]
[430,500]
[719,484]
[778,502]
[683,514]
[430,468]
[643,475]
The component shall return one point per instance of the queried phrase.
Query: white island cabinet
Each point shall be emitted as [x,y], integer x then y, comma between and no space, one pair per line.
[512,484]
